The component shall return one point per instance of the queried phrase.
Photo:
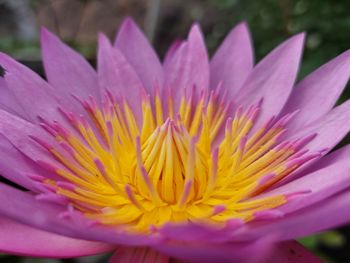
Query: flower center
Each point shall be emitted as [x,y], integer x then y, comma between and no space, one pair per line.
[190,162]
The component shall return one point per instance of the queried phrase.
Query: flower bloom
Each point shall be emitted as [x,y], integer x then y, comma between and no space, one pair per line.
[188,160]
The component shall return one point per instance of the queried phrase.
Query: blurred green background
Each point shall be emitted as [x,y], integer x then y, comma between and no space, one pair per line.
[327,23]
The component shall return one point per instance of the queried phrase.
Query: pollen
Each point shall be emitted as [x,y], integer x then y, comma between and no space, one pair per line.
[192,162]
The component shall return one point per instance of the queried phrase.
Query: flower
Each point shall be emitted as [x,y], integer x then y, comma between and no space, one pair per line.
[218,161]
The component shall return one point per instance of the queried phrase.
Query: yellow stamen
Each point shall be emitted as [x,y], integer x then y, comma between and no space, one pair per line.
[173,170]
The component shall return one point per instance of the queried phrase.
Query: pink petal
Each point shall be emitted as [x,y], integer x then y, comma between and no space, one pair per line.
[196,232]
[273,78]
[291,251]
[116,75]
[315,95]
[339,155]
[174,47]
[16,167]
[9,102]
[66,70]
[189,67]
[23,207]
[330,129]
[233,61]
[331,177]
[22,240]
[237,252]
[324,215]
[27,88]
[138,51]
[138,255]
[18,131]
[22,152]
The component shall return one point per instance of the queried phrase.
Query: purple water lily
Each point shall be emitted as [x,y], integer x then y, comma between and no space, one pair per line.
[188,160]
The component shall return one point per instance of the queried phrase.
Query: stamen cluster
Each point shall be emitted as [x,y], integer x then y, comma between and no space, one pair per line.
[190,163]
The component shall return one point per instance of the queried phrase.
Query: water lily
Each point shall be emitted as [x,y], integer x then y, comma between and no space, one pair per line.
[188,160]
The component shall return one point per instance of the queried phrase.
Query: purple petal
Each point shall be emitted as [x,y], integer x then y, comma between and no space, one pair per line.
[331,177]
[138,255]
[27,88]
[138,51]
[273,78]
[22,240]
[233,61]
[225,253]
[22,152]
[191,232]
[291,251]
[15,166]
[174,47]
[9,102]
[18,131]
[189,66]
[330,129]
[339,155]
[23,207]
[318,92]
[116,75]
[66,70]
[20,163]
[324,215]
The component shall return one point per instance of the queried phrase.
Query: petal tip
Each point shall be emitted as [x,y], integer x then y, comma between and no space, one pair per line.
[128,24]
[195,30]
[128,20]
[128,29]
[345,55]
[102,38]
[44,33]
[300,37]
[293,45]
[48,38]
[243,25]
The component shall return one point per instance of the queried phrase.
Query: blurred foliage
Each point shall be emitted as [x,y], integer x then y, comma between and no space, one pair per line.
[272,21]
[330,239]
[30,50]
[19,48]
[326,22]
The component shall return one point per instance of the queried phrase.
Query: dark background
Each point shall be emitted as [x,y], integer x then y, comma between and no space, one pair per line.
[326,22]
